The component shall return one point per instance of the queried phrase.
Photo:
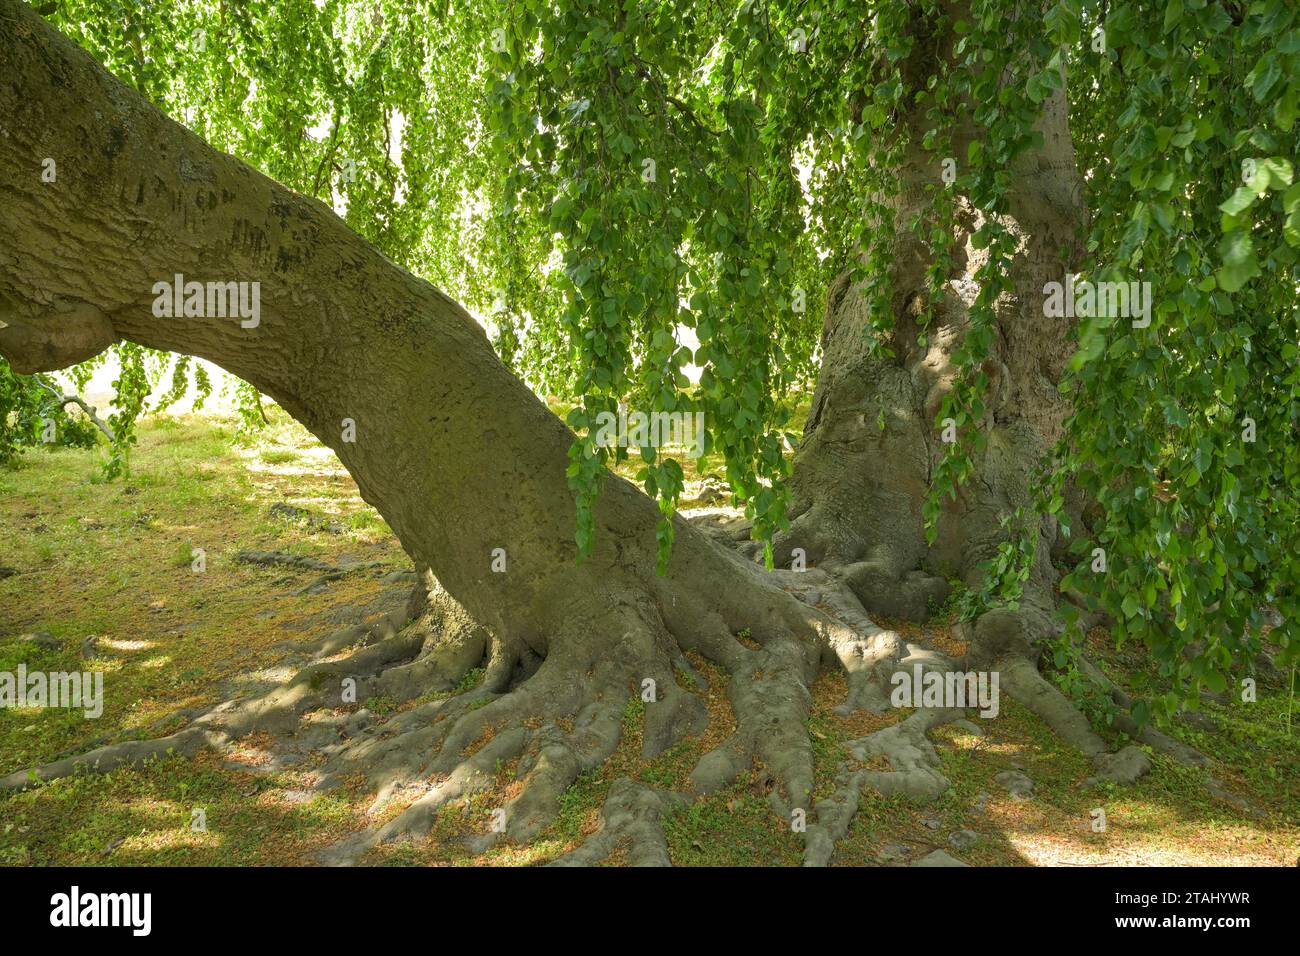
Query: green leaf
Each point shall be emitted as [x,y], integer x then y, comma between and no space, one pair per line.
[1173,13]
[1286,108]
[1239,265]
[1130,606]
[1239,201]
[1291,200]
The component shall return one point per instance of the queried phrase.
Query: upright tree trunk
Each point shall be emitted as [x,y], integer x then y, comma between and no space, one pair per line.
[859,487]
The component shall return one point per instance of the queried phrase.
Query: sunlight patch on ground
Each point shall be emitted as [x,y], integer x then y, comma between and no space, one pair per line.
[124,574]
[118,644]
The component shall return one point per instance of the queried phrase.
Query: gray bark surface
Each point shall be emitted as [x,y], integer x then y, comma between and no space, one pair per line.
[461,458]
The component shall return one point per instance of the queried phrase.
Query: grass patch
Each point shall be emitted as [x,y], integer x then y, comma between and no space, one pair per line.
[115,561]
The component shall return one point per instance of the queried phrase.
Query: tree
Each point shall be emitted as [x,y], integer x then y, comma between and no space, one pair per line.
[653,154]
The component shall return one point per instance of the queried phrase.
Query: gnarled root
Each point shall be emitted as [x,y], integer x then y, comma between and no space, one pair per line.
[913,773]
[1004,640]
[632,818]
[556,717]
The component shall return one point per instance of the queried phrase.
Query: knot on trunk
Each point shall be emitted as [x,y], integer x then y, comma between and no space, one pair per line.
[64,333]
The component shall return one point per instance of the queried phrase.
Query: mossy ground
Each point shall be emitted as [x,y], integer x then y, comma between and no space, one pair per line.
[115,560]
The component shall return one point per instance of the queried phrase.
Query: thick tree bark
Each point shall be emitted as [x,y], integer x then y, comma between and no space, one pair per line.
[858,487]
[457,455]
[461,459]
[454,451]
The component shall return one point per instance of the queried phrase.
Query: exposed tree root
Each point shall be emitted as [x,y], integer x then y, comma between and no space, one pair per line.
[107,759]
[770,697]
[1179,751]
[631,817]
[914,774]
[555,718]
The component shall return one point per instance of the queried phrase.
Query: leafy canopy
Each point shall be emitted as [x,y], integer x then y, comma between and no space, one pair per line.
[625,190]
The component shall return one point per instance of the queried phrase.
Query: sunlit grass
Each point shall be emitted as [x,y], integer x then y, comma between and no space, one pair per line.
[114,561]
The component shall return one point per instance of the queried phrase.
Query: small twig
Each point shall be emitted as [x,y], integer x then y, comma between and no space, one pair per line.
[932,846]
[65,400]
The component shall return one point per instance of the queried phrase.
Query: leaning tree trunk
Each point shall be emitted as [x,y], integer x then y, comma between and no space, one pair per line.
[457,454]
[461,460]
